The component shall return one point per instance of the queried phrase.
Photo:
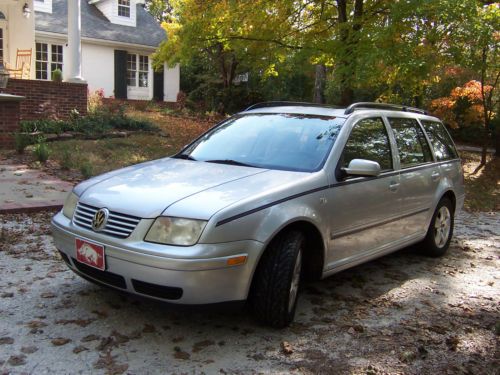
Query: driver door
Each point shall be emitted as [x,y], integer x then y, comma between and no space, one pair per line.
[363,209]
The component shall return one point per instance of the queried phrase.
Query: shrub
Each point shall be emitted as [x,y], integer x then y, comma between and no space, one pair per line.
[21,141]
[95,100]
[66,159]
[41,151]
[57,75]
[46,126]
[94,124]
[87,169]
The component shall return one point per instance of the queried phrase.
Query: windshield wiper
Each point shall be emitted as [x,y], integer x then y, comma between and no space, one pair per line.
[183,156]
[230,162]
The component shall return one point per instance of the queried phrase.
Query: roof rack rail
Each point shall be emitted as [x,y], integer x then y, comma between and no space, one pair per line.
[391,107]
[286,104]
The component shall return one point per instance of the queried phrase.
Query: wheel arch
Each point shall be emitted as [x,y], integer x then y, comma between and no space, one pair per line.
[312,258]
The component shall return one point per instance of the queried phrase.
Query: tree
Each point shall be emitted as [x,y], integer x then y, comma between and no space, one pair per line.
[476,46]
[161,10]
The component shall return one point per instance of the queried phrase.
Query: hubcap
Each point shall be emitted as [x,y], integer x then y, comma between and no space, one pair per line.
[442,226]
[294,286]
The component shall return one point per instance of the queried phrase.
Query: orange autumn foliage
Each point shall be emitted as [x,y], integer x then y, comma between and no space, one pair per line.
[464,106]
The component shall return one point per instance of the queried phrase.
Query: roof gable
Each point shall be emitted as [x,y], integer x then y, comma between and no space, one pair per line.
[96,26]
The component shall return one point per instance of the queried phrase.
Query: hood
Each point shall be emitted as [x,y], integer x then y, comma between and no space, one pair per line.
[147,190]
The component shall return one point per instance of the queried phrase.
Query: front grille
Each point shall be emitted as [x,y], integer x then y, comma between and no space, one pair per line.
[155,290]
[102,276]
[118,225]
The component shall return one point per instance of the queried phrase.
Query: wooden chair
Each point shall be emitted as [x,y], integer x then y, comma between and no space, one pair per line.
[23,64]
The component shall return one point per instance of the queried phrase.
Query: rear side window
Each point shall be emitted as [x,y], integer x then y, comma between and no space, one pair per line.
[440,140]
[410,139]
[368,140]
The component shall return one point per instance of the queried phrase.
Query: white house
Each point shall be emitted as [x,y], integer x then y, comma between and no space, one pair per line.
[108,45]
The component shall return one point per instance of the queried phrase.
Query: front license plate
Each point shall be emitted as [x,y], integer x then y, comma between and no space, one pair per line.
[90,254]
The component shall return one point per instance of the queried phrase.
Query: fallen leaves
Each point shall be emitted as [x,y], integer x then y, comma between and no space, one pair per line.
[17,360]
[286,348]
[60,341]
[6,340]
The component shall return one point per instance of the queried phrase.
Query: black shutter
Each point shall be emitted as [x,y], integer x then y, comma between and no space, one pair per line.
[120,74]
[158,86]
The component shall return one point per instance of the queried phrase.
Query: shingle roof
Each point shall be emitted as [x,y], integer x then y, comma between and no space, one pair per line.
[95,25]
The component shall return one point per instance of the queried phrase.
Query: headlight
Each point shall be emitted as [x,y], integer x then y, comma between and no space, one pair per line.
[70,205]
[175,231]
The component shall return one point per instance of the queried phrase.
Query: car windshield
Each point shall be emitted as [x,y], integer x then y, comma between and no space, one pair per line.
[273,141]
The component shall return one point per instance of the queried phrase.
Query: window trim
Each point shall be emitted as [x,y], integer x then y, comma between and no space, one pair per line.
[454,146]
[419,125]
[340,176]
[49,60]
[138,71]
[122,6]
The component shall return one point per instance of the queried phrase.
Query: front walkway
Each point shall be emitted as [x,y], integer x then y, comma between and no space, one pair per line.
[24,190]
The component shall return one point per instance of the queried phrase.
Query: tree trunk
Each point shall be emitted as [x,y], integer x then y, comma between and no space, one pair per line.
[319,84]
[497,141]
[349,37]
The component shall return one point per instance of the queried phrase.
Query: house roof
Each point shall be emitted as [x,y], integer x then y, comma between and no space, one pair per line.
[96,26]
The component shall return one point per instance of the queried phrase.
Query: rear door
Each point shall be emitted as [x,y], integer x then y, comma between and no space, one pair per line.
[419,175]
[362,209]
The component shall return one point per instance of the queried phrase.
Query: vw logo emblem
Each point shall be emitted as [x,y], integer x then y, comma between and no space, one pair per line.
[100,219]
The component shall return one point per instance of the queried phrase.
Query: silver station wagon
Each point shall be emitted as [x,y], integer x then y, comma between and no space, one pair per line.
[276,194]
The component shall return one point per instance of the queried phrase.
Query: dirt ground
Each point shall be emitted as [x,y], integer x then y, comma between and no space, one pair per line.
[401,314]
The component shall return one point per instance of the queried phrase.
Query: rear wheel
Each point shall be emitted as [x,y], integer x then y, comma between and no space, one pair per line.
[440,230]
[277,280]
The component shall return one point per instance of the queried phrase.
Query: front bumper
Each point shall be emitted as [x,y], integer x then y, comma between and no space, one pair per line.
[151,270]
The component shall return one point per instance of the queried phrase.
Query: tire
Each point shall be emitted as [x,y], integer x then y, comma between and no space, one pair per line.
[277,280]
[440,230]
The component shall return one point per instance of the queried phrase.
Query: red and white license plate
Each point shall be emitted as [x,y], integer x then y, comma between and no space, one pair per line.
[90,254]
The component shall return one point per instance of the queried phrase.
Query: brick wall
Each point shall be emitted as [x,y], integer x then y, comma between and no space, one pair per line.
[48,99]
[9,122]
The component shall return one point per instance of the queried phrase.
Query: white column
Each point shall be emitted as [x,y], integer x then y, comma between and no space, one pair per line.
[74,42]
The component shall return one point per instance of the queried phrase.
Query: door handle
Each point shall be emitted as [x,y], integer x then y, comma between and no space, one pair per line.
[393,186]
[435,176]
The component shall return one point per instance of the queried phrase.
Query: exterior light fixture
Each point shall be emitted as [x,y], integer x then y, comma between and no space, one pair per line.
[4,76]
[26,10]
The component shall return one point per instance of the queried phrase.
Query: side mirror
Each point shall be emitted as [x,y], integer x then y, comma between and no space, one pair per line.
[362,167]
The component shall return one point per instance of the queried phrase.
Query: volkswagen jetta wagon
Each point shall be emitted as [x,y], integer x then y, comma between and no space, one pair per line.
[273,195]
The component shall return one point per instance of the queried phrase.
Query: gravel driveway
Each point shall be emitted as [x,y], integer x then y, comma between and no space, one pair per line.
[400,314]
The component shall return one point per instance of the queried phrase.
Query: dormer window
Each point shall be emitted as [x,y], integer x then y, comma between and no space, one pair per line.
[124,8]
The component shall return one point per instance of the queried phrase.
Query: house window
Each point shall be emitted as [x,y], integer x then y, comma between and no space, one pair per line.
[47,62]
[137,70]
[124,8]
[143,71]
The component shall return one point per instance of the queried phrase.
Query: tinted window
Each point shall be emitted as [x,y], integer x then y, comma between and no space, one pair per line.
[441,140]
[276,141]
[412,145]
[368,140]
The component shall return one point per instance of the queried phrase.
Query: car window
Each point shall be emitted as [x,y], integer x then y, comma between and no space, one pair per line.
[368,140]
[410,139]
[440,140]
[284,141]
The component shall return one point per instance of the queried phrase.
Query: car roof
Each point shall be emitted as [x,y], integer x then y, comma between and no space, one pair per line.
[330,111]
[300,109]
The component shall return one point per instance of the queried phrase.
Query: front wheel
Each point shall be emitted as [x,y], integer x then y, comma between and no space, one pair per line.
[277,280]
[440,230]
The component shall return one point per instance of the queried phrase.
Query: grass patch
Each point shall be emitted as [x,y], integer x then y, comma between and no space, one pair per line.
[93,157]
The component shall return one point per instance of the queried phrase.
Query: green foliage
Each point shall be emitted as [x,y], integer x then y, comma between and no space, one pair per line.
[57,75]
[21,141]
[94,124]
[66,159]
[86,169]
[41,151]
